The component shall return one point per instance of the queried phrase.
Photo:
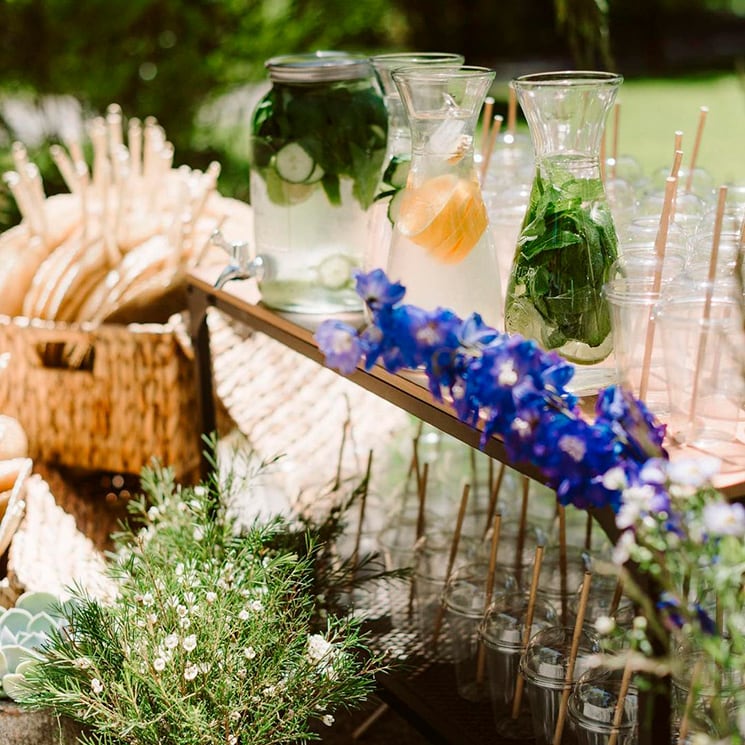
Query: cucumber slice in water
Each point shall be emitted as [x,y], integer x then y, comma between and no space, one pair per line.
[335,271]
[394,206]
[397,171]
[294,164]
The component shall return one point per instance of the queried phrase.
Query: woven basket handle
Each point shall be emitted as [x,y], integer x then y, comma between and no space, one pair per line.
[62,348]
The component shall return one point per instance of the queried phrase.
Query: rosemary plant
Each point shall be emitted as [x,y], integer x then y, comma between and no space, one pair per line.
[211,638]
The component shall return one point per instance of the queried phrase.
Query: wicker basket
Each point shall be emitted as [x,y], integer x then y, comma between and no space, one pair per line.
[129,395]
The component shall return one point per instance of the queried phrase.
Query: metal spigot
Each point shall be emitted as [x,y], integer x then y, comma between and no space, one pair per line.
[242,264]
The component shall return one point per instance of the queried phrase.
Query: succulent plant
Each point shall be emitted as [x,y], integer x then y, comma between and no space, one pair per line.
[23,631]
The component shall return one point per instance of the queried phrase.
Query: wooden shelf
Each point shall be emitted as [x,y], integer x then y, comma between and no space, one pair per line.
[242,301]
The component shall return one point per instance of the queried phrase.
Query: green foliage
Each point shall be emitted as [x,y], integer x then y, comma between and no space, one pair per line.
[211,638]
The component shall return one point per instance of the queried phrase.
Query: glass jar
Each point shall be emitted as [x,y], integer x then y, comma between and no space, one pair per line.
[568,241]
[318,140]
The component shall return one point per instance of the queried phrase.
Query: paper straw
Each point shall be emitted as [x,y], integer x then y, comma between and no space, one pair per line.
[527,631]
[620,702]
[451,560]
[363,503]
[588,531]
[494,133]
[660,246]
[563,561]
[696,144]
[65,167]
[494,497]
[489,593]
[486,115]
[616,599]
[522,527]
[703,340]
[686,718]
[422,498]
[134,142]
[561,719]
[677,161]
[678,140]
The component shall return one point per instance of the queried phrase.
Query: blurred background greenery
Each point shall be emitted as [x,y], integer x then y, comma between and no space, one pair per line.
[196,65]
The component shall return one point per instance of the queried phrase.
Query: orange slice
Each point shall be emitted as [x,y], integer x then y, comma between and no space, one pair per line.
[445,215]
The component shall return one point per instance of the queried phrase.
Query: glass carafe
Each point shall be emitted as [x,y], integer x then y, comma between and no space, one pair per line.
[567,242]
[398,153]
[442,248]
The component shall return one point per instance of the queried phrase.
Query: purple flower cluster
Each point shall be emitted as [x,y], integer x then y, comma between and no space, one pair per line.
[507,385]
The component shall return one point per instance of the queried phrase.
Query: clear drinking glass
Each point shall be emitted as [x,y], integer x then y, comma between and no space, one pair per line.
[502,633]
[592,708]
[544,666]
[442,249]
[465,603]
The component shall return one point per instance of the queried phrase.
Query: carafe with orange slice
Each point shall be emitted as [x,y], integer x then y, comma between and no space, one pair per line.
[442,249]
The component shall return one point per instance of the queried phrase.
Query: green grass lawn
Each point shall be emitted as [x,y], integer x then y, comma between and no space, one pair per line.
[652,109]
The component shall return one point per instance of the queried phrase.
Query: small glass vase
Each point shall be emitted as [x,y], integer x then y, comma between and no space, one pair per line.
[442,248]
[568,242]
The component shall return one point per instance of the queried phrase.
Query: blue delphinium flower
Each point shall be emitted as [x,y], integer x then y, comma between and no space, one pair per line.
[509,385]
[340,344]
[377,291]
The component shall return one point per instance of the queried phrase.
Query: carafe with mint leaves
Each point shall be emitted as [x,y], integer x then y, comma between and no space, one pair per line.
[567,242]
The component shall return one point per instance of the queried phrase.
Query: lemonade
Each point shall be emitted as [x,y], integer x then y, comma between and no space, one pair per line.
[442,248]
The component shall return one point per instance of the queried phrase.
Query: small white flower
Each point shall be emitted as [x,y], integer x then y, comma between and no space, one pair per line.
[179,569]
[614,479]
[190,642]
[232,739]
[327,719]
[269,690]
[210,597]
[198,533]
[244,615]
[184,623]
[191,671]
[159,664]
[182,610]
[249,653]
[622,549]
[721,518]
[604,625]
[190,598]
[152,618]
[318,647]
[694,472]
[235,716]
[153,512]
[82,663]
[171,641]
[256,606]
[96,686]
